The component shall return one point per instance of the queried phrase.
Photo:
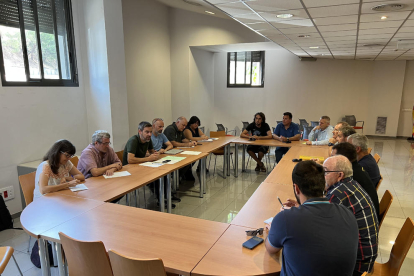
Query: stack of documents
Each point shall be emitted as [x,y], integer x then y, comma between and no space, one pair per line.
[79,187]
[191,152]
[118,174]
[152,164]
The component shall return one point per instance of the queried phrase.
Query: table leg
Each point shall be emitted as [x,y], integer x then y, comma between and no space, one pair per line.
[177,180]
[228,159]
[203,177]
[225,162]
[54,253]
[236,160]
[169,193]
[127,199]
[61,265]
[44,257]
[244,158]
[161,200]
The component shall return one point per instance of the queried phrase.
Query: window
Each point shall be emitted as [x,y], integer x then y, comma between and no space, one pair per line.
[245,69]
[37,46]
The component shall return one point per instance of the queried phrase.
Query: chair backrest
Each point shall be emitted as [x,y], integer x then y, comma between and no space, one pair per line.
[273,129]
[377,157]
[125,266]
[120,154]
[379,183]
[306,131]
[74,160]
[215,134]
[5,254]
[278,122]
[220,127]
[350,119]
[400,248]
[202,129]
[384,206]
[314,123]
[369,150]
[27,182]
[86,258]
[303,122]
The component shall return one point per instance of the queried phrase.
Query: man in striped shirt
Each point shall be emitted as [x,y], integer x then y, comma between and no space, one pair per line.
[343,190]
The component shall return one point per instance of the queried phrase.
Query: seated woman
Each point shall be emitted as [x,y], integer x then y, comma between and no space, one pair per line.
[192,132]
[54,173]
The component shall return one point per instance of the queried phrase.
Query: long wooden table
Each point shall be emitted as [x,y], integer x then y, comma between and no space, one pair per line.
[186,245]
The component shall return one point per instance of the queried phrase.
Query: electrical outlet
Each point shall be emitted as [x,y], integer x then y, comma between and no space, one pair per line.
[7,193]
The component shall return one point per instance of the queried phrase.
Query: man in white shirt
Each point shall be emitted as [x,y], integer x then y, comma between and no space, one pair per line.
[321,134]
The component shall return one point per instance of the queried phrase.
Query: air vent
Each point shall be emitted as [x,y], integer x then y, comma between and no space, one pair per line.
[388,7]
[192,3]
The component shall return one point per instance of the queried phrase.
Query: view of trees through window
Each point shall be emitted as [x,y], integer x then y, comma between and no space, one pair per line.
[245,69]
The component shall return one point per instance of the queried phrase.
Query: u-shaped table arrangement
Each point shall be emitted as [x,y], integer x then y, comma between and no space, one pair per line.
[187,246]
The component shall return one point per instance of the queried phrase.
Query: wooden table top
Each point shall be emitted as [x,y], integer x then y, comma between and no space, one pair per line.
[189,159]
[229,257]
[181,242]
[266,142]
[212,146]
[53,209]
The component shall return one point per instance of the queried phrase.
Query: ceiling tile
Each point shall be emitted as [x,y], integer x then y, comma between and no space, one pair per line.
[260,26]
[384,31]
[338,33]
[215,2]
[297,15]
[409,23]
[324,3]
[274,6]
[293,23]
[336,20]
[303,30]
[406,30]
[375,36]
[382,25]
[366,7]
[334,11]
[340,38]
[248,18]
[334,28]
[234,8]
[392,16]
[270,32]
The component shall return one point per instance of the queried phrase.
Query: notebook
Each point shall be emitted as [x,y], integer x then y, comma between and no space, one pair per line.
[173,151]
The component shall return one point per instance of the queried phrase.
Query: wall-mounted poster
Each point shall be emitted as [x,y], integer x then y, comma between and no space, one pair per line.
[381,125]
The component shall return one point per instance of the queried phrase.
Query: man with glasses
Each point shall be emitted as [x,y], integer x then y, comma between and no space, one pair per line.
[99,158]
[317,237]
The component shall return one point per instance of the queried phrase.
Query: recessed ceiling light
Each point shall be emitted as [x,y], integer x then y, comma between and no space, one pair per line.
[284,15]
[384,17]
[209,12]
[306,36]
[314,47]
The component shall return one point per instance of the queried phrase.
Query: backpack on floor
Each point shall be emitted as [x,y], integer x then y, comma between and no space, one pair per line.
[6,221]
[35,257]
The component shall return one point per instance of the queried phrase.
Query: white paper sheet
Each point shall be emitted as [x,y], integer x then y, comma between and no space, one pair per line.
[172,160]
[269,220]
[214,139]
[152,164]
[79,187]
[191,152]
[118,174]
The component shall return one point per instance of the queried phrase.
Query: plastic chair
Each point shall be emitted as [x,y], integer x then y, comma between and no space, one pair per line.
[85,258]
[278,122]
[302,124]
[314,123]
[306,131]
[220,127]
[220,151]
[120,154]
[398,251]
[125,266]
[384,206]
[27,183]
[6,252]
[379,183]
[365,274]
[377,157]
[245,124]
[351,120]
[74,160]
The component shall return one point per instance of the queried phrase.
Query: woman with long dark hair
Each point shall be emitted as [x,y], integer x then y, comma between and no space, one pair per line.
[54,173]
[192,132]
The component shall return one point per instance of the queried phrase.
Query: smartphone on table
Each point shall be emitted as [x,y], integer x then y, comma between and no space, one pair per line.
[252,243]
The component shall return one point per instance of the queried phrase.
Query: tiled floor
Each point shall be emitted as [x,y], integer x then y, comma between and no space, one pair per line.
[225,197]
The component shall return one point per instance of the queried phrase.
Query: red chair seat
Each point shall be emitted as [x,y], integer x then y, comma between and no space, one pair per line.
[357,127]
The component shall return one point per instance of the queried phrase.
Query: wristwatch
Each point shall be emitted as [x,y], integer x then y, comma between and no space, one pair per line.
[287,139]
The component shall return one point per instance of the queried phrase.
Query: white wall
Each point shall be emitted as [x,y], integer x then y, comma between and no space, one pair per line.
[405,126]
[312,89]
[147,52]
[33,118]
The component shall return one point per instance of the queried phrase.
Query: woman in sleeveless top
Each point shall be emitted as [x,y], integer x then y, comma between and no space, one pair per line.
[192,132]
[54,173]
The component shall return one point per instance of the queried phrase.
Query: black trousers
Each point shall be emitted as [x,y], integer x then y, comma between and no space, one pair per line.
[279,152]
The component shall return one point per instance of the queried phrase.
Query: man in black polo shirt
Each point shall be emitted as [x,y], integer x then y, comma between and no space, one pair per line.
[359,175]
[259,130]
[317,237]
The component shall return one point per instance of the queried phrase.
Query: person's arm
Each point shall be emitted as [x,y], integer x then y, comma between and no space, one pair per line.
[268,136]
[44,188]
[277,234]
[295,138]
[311,134]
[296,133]
[76,174]
[270,248]
[169,146]
[189,136]
[245,134]
[325,141]
[202,135]
[136,160]
[276,134]
[108,170]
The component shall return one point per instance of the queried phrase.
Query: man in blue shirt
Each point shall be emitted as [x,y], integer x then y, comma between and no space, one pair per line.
[317,237]
[285,131]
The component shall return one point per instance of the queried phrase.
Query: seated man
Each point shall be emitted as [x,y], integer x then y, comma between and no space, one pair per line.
[259,130]
[365,159]
[137,146]
[175,134]
[321,134]
[333,140]
[341,189]
[317,237]
[159,140]
[99,158]
[343,133]
[348,150]
[285,131]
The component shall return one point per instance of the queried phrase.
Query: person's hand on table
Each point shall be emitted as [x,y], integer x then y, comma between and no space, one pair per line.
[68,178]
[289,204]
[71,183]
[332,140]
[282,139]
[147,154]
[117,166]
[161,151]
[110,172]
[317,160]
[308,142]
[267,226]
[192,143]
[154,157]
[255,137]
[204,137]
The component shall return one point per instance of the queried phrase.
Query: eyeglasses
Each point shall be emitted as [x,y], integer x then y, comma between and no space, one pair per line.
[326,172]
[105,144]
[67,154]
[255,232]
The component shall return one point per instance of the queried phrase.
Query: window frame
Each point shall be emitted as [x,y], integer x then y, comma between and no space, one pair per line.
[74,81]
[235,85]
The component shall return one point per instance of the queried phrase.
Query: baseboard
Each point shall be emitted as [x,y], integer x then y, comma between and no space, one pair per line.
[388,137]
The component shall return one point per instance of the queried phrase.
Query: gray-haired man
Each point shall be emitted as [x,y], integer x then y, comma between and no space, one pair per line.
[99,158]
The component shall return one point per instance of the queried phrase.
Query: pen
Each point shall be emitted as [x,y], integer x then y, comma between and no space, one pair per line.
[281,203]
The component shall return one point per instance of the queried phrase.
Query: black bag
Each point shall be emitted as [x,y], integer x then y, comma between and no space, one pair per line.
[6,221]
[35,257]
